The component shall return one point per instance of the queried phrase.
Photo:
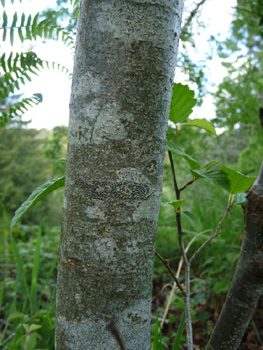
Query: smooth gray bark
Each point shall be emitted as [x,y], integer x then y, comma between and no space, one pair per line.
[121,92]
[247,284]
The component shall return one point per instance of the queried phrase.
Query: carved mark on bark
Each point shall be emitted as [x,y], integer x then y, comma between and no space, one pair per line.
[119,190]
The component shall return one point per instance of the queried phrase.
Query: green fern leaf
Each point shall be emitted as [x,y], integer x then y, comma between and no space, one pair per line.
[2,62]
[12,36]
[20,34]
[9,62]
[17,85]
[40,27]
[14,20]
[4,34]
[59,30]
[15,61]
[5,20]
[18,108]
[28,27]
[6,92]
[34,26]
[27,76]
[51,31]
[23,18]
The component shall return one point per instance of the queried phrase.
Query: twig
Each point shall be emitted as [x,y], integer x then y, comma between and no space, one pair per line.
[177,192]
[188,183]
[178,274]
[166,263]
[188,322]
[215,235]
[192,14]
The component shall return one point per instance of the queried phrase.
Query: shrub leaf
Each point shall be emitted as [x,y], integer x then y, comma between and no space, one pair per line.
[39,193]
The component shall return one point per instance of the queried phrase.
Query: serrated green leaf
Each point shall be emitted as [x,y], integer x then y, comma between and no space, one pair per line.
[31,341]
[193,220]
[217,177]
[14,315]
[41,192]
[34,327]
[26,326]
[191,161]
[220,287]
[182,103]
[176,204]
[238,182]
[208,166]
[203,124]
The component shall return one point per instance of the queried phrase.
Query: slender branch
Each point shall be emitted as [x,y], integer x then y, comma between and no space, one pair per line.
[178,274]
[166,263]
[177,211]
[192,14]
[187,184]
[215,235]
[177,192]
[188,322]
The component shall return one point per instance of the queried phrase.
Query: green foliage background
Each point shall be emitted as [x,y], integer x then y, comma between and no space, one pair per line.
[28,158]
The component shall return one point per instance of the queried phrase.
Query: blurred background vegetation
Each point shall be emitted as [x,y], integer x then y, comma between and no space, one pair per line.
[29,157]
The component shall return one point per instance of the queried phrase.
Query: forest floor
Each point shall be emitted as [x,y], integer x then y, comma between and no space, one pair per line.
[253,337]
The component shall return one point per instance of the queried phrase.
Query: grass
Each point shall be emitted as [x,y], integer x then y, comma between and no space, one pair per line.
[27,293]
[28,261]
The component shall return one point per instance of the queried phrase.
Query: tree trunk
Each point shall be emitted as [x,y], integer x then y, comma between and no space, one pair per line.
[121,92]
[247,284]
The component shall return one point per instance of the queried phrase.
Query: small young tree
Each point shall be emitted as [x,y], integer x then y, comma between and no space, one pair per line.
[121,92]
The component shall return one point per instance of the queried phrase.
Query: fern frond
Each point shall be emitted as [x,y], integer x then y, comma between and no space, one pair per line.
[12,1]
[30,28]
[17,70]
[18,109]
